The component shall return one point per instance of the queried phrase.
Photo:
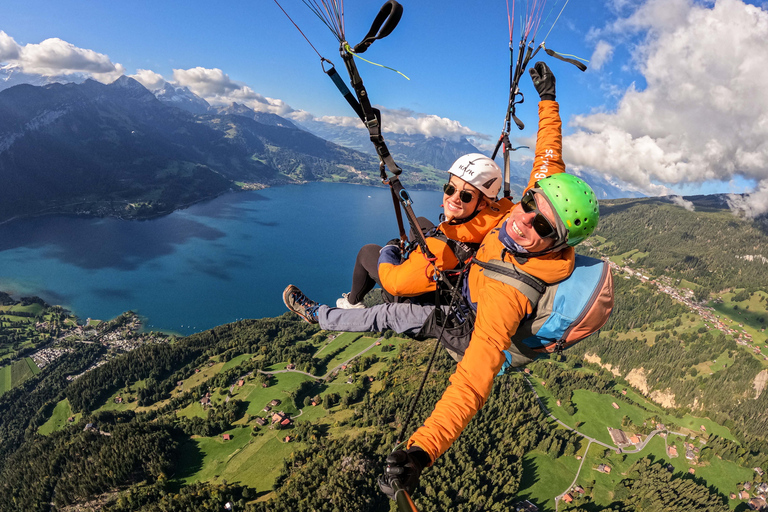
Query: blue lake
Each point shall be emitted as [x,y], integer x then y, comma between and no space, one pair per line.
[210,264]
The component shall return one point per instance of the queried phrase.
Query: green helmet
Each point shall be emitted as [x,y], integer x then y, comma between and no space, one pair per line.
[575,204]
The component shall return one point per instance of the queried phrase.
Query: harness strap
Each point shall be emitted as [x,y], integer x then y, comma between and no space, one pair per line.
[344,90]
[405,201]
[532,287]
[463,250]
[398,212]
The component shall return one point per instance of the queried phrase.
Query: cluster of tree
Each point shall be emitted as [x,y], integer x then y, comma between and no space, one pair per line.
[637,305]
[562,381]
[76,463]
[198,497]
[217,420]
[650,487]
[752,456]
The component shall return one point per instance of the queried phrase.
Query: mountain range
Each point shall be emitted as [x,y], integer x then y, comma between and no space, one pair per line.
[122,150]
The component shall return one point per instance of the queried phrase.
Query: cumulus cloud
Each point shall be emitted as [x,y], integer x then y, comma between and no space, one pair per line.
[217,88]
[602,54]
[55,57]
[9,49]
[703,114]
[149,79]
[684,203]
[410,123]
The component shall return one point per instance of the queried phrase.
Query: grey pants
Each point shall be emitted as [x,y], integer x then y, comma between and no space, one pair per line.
[401,318]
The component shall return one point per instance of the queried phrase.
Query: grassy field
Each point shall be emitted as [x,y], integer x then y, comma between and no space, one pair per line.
[5,379]
[545,477]
[58,419]
[749,315]
[252,460]
[17,372]
[282,385]
[236,361]
[594,412]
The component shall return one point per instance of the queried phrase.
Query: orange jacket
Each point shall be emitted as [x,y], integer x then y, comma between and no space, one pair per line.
[415,275]
[500,309]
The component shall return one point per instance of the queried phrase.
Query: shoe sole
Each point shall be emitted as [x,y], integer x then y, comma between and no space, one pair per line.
[286,294]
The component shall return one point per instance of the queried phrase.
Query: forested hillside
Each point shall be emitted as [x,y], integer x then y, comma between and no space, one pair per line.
[709,246]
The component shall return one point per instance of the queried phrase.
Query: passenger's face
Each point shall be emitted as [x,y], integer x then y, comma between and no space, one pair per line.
[453,206]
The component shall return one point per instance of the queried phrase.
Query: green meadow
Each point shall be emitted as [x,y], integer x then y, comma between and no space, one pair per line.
[13,374]
[545,477]
[58,419]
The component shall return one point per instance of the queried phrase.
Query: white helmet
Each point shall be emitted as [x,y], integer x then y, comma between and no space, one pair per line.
[479,171]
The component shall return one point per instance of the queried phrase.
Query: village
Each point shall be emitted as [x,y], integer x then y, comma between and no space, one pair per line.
[118,336]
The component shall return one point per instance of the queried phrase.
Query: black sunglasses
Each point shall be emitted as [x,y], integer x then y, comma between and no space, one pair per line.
[540,223]
[466,196]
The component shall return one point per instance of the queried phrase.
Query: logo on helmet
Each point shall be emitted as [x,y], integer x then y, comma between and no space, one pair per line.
[466,169]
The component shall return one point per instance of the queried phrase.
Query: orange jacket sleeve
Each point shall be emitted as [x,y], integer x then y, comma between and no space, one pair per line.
[549,143]
[499,312]
[415,275]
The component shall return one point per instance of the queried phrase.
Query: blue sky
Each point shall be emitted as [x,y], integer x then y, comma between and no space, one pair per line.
[673,101]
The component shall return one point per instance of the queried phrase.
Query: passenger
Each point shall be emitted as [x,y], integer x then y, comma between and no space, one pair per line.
[470,210]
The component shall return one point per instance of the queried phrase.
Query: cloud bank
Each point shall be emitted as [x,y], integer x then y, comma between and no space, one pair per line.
[411,123]
[703,114]
[56,58]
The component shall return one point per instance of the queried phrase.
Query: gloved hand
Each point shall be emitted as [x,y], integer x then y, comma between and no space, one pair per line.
[405,467]
[394,241]
[543,80]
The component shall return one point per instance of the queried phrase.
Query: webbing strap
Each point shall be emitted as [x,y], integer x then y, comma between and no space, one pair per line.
[507,189]
[344,90]
[398,215]
[385,22]
[556,55]
[405,201]
[530,286]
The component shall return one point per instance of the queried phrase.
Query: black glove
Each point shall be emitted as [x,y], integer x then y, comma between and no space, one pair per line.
[405,467]
[543,80]
[394,241]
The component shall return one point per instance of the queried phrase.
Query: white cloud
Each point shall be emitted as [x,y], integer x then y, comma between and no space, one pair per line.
[410,122]
[149,79]
[9,49]
[56,58]
[703,114]
[688,205]
[602,54]
[750,205]
[217,88]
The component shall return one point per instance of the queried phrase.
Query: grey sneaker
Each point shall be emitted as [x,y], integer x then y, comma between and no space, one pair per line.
[344,303]
[300,304]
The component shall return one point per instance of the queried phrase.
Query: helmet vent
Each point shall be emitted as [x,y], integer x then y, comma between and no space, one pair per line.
[577,222]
